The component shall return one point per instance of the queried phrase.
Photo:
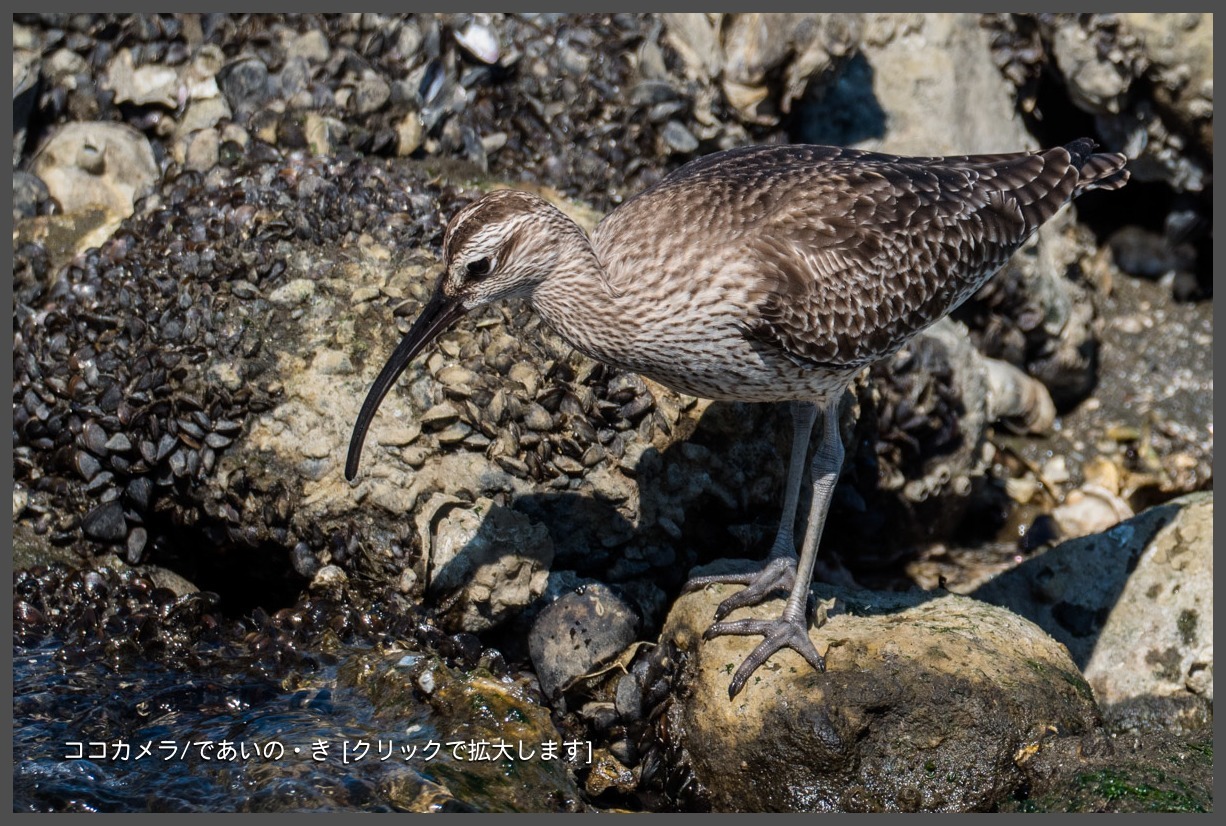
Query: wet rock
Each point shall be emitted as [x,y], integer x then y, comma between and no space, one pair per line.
[925,703]
[1154,773]
[577,633]
[1131,605]
[466,707]
[486,562]
[97,165]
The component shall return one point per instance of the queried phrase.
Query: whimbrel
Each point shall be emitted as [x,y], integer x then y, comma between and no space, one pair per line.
[761,274]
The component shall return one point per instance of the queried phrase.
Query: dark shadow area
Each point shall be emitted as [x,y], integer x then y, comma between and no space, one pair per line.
[842,113]
[1074,608]
[243,577]
[1185,218]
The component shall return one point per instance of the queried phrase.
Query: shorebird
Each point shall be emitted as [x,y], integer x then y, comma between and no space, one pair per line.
[760,274]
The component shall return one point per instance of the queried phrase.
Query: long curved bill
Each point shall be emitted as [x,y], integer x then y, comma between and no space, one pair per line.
[436,317]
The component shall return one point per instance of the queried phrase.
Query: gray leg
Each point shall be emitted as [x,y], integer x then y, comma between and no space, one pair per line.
[779,573]
[791,629]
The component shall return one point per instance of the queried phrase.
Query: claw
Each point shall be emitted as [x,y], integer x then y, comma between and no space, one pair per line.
[777,633]
[779,574]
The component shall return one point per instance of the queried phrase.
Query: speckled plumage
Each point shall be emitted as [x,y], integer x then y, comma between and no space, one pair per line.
[774,273]
[759,274]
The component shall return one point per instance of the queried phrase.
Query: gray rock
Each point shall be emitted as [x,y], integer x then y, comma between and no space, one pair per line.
[577,633]
[486,562]
[1095,84]
[800,49]
[1134,606]
[926,703]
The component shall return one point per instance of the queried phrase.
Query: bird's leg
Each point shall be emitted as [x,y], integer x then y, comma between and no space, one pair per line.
[791,629]
[779,572]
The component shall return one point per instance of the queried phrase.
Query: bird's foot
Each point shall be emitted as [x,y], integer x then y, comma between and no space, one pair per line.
[779,574]
[778,633]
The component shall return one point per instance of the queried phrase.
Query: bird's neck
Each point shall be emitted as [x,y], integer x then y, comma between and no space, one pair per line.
[577,301]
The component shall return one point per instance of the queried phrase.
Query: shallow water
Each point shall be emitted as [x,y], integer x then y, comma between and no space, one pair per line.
[156,739]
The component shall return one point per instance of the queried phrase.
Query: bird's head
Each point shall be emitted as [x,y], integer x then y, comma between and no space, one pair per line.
[500,246]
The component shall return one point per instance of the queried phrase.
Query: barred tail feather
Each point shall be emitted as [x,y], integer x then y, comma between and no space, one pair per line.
[1104,170]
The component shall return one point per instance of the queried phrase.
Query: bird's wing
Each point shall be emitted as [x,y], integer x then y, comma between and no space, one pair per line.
[872,249]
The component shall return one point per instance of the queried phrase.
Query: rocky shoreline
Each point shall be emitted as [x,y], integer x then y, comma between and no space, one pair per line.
[223,223]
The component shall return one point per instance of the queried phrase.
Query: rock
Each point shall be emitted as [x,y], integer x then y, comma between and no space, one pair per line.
[323,134]
[578,632]
[202,114]
[1154,773]
[937,490]
[679,139]
[1133,606]
[695,38]
[479,40]
[1178,51]
[137,539]
[149,84]
[926,702]
[475,708]
[1095,84]
[800,48]
[97,165]
[486,562]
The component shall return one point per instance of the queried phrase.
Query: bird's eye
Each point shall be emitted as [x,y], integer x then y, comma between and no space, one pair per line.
[480,266]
